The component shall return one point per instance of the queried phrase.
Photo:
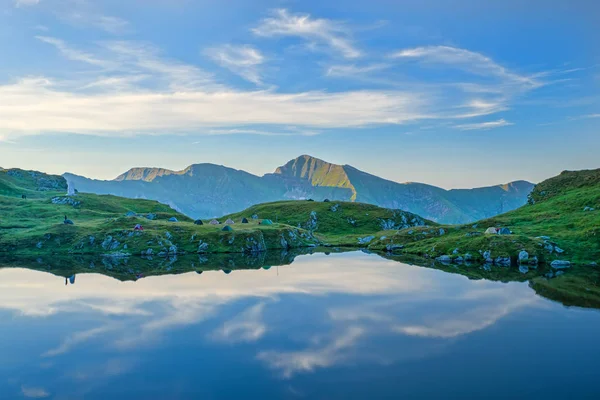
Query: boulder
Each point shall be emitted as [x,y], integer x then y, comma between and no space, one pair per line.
[560,264]
[442,232]
[558,250]
[366,240]
[523,256]
[503,261]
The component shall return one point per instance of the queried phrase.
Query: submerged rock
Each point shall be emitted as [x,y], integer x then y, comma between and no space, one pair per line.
[560,264]
[444,259]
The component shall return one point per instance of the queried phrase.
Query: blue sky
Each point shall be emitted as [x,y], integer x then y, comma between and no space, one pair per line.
[457,95]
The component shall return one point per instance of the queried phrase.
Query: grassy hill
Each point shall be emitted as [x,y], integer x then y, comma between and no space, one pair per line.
[334,220]
[561,223]
[103,224]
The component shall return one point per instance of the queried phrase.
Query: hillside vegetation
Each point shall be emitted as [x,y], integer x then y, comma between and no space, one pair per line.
[104,224]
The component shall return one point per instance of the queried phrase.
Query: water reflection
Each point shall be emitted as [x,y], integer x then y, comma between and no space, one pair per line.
[291,331]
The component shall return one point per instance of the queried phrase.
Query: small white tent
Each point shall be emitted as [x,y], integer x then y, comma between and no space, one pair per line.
[491,231]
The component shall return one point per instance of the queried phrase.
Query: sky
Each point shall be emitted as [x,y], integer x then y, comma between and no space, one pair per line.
[456,94]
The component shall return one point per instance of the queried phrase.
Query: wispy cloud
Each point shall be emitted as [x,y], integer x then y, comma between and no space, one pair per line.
[73,54]
[34,392]
[84,16]
[25,3]
[353,70]
[241,60]
[483,125]
[317,31]
[466,60]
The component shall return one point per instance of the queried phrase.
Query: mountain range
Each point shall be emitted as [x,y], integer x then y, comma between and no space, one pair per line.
[209,190]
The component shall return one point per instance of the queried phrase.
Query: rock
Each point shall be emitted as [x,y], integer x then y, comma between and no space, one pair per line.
[392,247]
[130,214]
[366,240]
[444,259]
[487,256]
[254,216]
[455,251]
[468,257]
[92,239]
[351,221]
[173,249]
[65,201]
[202,247]
[558,250]
[559,273]
[503,261]
[151,216]
[560,264]
[39,245]
[549,248]
[593,264]
[168,235]
[588,209]
[334,208]
[442,232]
[410,232]
[523,256]
[543,237]
[388,224]
[459,259]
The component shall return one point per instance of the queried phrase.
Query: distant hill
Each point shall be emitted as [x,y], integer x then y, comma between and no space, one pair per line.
[208,190]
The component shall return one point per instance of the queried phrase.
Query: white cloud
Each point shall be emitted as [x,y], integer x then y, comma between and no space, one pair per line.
[290,363]
[317,31]
[483,125]
[137,91]
[241,60]
[21,3]
[245,327]
[34,392]
[354,70]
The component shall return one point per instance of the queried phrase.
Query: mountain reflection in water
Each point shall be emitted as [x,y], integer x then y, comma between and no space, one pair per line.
[348,325]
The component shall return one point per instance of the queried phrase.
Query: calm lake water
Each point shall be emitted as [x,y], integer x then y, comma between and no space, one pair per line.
[347,326]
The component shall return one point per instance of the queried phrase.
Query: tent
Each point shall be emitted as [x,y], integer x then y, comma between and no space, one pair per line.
[227,271]
[266,222]
[244,221]
[214,222]
[326,201]
[504,231]
[138,227]
[67,221]
[227,228]
[491,231]
[229,221]
[173,219]
[267,267]
[198,222]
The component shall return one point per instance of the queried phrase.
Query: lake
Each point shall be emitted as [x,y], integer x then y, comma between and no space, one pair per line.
[337,326]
